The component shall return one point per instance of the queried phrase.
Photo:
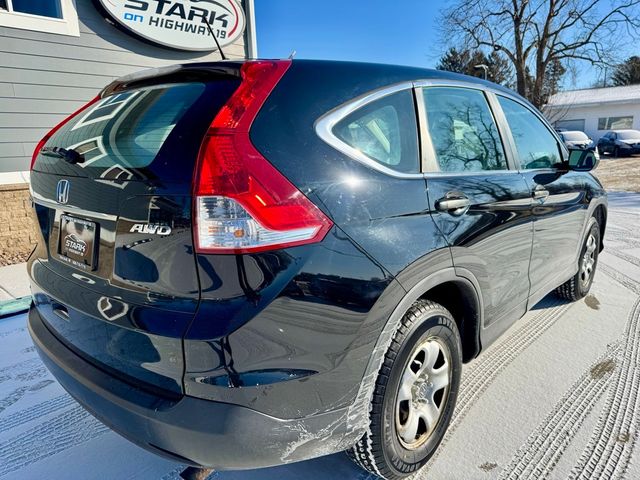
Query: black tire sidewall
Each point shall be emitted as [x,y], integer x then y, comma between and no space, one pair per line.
[436,323]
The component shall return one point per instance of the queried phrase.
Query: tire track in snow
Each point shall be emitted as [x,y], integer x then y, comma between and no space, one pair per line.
[484,370]
[12,332]
[611,444]
[541,452]
[626,257]
[37,411]
[64,431]
[22,367]
[620,277]
[18,393]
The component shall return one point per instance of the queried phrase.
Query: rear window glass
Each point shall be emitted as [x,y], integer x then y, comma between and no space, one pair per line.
[125,130]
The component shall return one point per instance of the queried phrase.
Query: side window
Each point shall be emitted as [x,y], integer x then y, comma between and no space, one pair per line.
[462,130]
[537,147]
[386,131]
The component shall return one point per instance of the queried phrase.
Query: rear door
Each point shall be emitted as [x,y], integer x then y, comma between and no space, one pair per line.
[114,273]
[559,196]
[479,201]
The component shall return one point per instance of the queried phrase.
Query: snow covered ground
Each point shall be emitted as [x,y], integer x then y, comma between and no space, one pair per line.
[558,396]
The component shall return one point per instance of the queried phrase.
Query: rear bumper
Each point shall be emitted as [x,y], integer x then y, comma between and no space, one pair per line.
[189,430]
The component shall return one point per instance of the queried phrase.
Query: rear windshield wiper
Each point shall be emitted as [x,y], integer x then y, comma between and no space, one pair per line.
[69,155]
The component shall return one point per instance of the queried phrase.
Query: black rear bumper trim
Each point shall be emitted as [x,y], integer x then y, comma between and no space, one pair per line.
[190,430]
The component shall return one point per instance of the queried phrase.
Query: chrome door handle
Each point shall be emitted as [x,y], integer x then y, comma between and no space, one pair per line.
[453,203]
[540,194]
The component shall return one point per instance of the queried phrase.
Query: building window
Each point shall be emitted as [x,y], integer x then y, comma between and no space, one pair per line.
[51,16]
[43,8]
[571,125]
[615,123]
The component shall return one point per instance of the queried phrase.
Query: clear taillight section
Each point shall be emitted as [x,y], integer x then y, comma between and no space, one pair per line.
[225,226]
[242,203]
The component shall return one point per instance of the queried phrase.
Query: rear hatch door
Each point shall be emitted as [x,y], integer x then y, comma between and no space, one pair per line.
[114,273]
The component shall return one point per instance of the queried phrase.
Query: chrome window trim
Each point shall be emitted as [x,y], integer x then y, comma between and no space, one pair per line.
[477,173]
[324,127]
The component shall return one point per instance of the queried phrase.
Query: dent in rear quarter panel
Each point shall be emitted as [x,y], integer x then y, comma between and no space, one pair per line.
[296,327]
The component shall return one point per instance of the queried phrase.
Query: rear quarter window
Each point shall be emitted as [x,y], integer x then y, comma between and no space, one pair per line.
[384,130]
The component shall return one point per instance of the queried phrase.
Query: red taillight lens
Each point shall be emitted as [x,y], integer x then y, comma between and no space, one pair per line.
[242,203]
[46,138]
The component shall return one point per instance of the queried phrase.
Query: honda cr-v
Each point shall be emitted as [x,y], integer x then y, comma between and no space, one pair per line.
[244,264]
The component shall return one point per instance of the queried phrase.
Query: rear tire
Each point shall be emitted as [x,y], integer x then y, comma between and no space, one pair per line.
[578,286]
[415,394]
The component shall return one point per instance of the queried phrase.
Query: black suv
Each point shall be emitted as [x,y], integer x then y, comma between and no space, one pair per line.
[243,264]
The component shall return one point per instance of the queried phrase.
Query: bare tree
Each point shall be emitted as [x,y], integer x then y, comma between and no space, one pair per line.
[536,34]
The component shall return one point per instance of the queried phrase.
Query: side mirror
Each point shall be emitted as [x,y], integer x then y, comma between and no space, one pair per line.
[582,160]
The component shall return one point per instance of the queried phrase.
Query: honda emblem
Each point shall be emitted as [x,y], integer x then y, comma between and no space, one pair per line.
[62,191]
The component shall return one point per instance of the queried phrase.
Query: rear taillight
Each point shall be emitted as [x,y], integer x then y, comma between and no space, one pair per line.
[242,203]
[46,138]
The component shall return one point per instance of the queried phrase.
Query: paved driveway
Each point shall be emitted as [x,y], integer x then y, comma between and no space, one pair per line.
[558,396]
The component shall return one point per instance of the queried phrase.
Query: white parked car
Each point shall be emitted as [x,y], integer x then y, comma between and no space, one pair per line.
[576,139]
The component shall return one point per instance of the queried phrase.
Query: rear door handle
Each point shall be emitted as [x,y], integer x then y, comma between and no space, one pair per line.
[540,194]
[454,203]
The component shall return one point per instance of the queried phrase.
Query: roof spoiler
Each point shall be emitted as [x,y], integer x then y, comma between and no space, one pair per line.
[173,74]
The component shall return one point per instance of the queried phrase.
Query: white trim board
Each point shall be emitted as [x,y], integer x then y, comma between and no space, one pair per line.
[10,178]
[67,25]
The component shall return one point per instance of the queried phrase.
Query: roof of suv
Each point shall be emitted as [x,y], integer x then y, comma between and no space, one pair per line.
[379,69]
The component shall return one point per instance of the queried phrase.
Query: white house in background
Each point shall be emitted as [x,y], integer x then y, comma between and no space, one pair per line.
[595,111]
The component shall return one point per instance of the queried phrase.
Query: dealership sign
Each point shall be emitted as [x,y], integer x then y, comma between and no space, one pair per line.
[179,24]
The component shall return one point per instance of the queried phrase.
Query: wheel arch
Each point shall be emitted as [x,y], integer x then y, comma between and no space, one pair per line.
[437,286]
[600,214]
[459,296]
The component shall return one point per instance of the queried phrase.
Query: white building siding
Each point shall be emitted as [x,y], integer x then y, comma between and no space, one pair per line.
[591,114]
